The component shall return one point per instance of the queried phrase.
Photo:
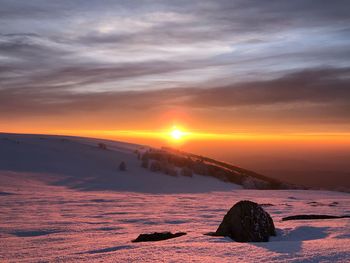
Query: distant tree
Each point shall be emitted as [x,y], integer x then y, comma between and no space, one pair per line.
[102,146]
[168,168]
[254,183]
[122,166]
[185,171]
[145,163]
[145,156]
[172,171]
[200,168]
[155,166]
[222,174]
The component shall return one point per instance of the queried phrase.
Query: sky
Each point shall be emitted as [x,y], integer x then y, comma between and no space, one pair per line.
[218,67]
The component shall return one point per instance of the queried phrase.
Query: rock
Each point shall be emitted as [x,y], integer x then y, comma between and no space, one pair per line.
[5,193]
[246,221]
[157,236]
[313,217]
[333,204]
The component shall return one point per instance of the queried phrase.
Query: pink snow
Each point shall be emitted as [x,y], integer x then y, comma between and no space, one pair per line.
[43,218]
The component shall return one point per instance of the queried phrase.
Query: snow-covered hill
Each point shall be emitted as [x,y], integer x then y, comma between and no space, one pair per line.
[80,163]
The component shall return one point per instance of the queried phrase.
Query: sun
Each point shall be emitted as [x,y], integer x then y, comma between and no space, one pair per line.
[176,134]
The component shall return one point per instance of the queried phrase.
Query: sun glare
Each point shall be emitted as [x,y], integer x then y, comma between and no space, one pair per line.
[176,134]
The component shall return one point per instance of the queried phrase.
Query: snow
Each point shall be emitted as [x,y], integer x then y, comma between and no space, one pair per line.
[78,163]
[47,214]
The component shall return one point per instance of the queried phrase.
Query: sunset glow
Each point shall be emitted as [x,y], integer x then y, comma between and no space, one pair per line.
[176,134]
[188,76]
[180,135]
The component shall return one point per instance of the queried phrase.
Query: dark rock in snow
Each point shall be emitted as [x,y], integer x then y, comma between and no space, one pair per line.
[246,221]
[303,217]
[157,236]
[5,193]
[333,204]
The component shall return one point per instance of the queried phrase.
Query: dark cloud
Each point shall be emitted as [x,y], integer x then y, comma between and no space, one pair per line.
[309,86]
[32,49]
[322,94]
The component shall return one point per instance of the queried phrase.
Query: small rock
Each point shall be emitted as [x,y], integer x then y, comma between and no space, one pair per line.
[313,217]
[157,236]
[333,204]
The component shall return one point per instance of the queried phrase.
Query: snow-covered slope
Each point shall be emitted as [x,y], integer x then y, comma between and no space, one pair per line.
[45,223]
[47,216]
[79,163]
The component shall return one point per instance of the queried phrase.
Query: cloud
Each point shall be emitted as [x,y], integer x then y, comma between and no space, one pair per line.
[308,86]
[321,94]
[263,59]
